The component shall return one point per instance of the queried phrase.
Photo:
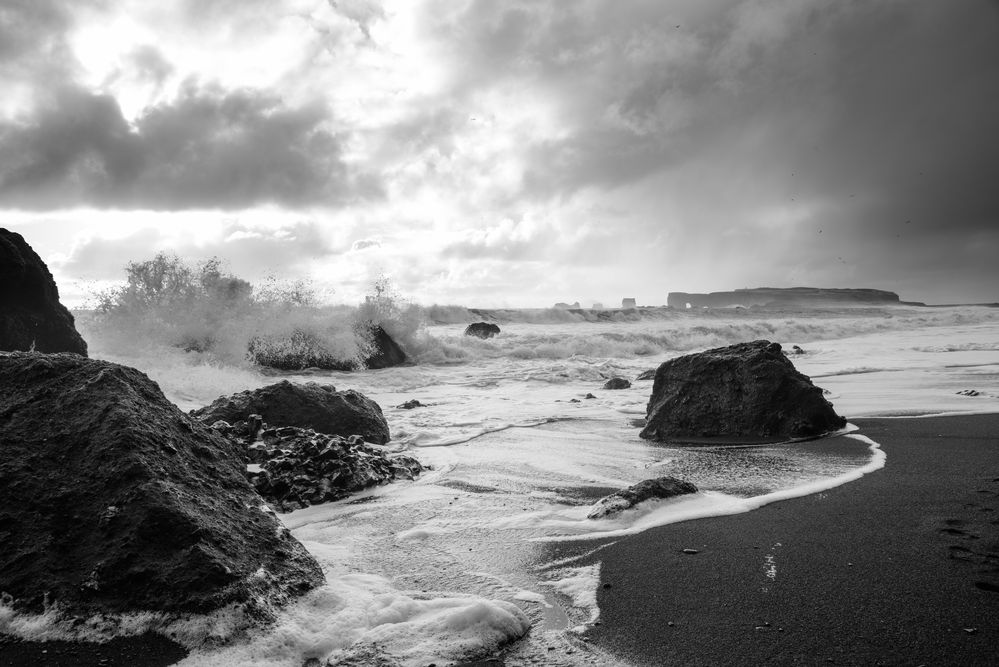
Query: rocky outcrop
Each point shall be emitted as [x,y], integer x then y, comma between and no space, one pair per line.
[31,316]
[295,351]
[647,375]
[660,488]
[298,467]
[386,352]
[482,329]
[790,296]
[113,500]
[309,405]
[617,383]
[748,390]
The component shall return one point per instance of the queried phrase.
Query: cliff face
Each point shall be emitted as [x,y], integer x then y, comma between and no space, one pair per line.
[777,296]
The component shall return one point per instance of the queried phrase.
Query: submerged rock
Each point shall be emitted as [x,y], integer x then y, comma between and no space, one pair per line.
[113,500]
[647,375]
[410,404]
[660,488]
[617,383]
[309,405]
[747,390]
[299,467]
[482,329]
[31,316]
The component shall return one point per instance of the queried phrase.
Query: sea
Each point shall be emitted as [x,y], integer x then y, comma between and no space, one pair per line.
[490,552]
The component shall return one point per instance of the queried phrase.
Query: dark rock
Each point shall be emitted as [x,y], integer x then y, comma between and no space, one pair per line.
[482,329]
[969,392]
[409,405]
[31,316]
[386,352]
[796,350]
[647,375]
[113,500]
[300,467]
[747,390]
[296,351]
[663,487]
[617,383]
[309,405]
[589,396]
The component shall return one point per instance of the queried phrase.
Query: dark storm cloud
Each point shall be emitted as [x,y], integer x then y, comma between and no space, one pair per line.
[207,148]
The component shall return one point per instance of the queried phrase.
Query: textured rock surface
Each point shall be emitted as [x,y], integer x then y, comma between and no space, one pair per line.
[482,329]
[747,390]
[647,375]
[310,405]
[31,316]
[386,351]
[660,488]
[113,500]
[299,467]
[617,383]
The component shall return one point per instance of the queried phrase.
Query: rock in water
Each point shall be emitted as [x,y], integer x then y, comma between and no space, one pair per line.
[747,390]
[482,329]
[31,316]
[660,488]
[310,405]
[617,383]
[647,375]
[112,500]
[386,351]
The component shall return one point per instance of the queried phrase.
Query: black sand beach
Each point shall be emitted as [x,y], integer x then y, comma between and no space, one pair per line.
[898,568]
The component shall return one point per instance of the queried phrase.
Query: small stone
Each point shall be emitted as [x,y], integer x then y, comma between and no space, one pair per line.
[690,551]
[670,624]
[971,631]
[589,396]
[606,586]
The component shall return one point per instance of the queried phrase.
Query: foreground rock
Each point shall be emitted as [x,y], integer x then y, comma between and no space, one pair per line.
[482,329]
[748,390]
[660,488]
[309,405]
[298,467]
[113,500]
[31,316]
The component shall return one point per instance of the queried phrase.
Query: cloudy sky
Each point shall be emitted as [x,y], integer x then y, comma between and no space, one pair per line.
[512,152]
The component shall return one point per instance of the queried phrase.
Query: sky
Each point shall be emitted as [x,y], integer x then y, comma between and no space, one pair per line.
[509,153]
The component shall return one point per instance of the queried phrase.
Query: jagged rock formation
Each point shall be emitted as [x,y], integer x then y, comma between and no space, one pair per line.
[660,488]
[113,500]
[31,316]
[747,390]
[790,296]
[299,467]
[309,405]
[482,330]
[647,375]
[386,351]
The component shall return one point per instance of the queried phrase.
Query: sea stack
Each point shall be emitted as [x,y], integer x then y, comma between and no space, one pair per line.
[31,315]
[745,391]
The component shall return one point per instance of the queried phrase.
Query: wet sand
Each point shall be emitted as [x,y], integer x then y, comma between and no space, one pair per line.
[898,568]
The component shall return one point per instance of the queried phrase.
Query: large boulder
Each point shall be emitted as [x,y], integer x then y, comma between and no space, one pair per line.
[482,329]
[747,390]
[112,500]
[31,316]
[386,352]
[309,405]
[648,489]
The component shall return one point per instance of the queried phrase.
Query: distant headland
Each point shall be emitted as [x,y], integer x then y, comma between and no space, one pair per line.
[785,296]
